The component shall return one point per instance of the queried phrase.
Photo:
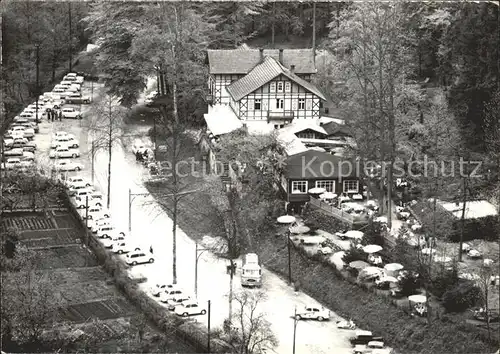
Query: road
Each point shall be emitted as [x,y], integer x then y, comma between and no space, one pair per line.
[152,227]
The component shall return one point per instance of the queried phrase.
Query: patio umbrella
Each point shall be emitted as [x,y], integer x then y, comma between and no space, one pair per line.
[442,259]
[466,247]
[358,265]
[354,234]
[388,279]
[474,254]
[299,229]
[428,251]
[417,298]
[372,271]
[381,219]
[286,219]
[487,262]
[372,203]
[343,199]
[328,195]
[354,206]
[393,267]
[372,249]
[317,190]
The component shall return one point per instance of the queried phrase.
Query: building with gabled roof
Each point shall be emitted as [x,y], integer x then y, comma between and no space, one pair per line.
[266,89]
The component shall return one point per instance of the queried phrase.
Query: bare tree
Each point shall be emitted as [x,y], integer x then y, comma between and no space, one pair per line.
[484,283]
[252,332]
[106,130]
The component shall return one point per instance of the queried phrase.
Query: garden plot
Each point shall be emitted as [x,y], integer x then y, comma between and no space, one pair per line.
[65,220]
[65,257]
[25,222]
[83,284]
[103,310]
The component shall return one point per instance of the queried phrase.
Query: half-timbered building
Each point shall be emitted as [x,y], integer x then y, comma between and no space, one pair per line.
[266,89]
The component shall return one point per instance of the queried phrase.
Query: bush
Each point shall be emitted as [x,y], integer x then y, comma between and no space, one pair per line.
[461,297]
[354,254]
[374,234]
[321,221]
[443,281]
[409,284]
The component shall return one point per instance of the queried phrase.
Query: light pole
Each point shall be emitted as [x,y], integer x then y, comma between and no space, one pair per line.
[295,322]
[208,325]
[37,88]
[199,252]
[131,197]
[287,220]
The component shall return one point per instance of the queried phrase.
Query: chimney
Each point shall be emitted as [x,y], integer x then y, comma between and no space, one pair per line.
[281,56]
[292,69]
[261,51]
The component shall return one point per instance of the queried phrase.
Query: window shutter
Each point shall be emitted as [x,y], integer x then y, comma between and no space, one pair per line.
[288,86]
[294,105]
[308,104]
[272,86]
[251,104]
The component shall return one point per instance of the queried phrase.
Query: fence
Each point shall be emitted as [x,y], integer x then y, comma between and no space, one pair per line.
[333,211]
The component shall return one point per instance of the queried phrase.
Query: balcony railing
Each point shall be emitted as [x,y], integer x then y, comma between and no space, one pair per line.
[281,115]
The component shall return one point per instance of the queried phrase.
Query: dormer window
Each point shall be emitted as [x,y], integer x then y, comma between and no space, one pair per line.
[272,87]
[280,86]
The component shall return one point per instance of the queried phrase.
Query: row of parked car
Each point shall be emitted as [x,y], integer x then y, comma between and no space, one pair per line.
[18,144]
[177,300]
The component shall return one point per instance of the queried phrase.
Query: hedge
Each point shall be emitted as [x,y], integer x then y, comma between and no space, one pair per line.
[193,333]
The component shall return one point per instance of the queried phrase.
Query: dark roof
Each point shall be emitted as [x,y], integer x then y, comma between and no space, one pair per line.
[332,128]
[312,164]
[241,61]
[263,73]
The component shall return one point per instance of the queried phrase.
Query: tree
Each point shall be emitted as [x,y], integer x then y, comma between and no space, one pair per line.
[28,305]
[252,332]
[106,130]
[374,51]
[483,282]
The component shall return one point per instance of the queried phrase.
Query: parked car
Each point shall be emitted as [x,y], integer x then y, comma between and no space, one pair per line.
[67,141]
[71,113]
[368,348]
[170,293]
[189,308]
[313,312]
[20,130]
[105,231]
[137,257]
[63,151]
[364,337]
[28,156]
[13,152]
[177,301]
[121,247]
[59,134]
[157,288]
[480,315]
[77,179]
[75,187]
[81,201]
[94,211]
[67,166]
[78,100]
[99,222]
[108,242]
[23,143]
[11,163]
[27,124]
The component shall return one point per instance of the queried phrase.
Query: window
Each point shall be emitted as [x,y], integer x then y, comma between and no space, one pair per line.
[306,135]
[302,103]
[329,185]
[280,103]
[278,126]
[351,186]
[257,104]
[299,187]
[280,86]
[288,86]
[309,104]
[272,87]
